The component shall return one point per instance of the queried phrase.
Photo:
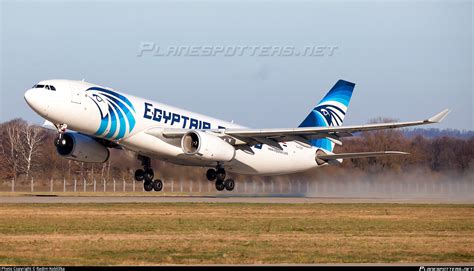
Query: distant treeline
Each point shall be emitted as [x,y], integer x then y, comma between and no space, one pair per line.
[28,151]
[441,153]
[435,132]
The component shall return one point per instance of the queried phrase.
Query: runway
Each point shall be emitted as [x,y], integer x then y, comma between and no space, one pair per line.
[45,198]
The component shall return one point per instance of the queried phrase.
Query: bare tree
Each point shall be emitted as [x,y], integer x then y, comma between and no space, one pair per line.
[11,149]
[20,147]
[31,138]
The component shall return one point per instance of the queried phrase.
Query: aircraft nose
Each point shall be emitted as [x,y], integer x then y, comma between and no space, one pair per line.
[29,96]
[33,99]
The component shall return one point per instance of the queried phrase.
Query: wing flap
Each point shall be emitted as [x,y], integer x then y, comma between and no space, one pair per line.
[358,155]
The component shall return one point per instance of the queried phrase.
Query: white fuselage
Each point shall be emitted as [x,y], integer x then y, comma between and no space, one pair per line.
[71,104]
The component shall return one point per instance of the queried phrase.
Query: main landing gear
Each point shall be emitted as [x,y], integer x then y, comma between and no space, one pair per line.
[218,175]
[146,175]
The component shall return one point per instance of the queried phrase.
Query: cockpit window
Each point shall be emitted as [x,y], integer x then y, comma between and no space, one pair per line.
[45,86]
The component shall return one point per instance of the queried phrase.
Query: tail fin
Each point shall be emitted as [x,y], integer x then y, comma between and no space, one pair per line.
[330,112]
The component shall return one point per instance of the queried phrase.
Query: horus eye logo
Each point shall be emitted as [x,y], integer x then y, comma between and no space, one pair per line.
[333,114]
[116,113]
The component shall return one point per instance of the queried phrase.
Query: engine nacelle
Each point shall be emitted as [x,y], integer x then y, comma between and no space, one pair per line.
[82,148]
[206,146]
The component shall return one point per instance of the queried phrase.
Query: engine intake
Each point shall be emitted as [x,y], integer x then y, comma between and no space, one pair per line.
[206,146]
[82,148]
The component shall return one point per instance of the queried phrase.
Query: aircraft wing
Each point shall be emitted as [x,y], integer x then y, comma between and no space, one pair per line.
[303,134]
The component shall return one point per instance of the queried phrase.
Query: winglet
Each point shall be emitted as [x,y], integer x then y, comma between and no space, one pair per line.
[439,117]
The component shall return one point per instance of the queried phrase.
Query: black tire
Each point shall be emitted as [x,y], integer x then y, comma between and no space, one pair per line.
[157,185]
[56,141]
[148,186]
[139,175]
[229,184]
[220,174]
[149,175]
[211,174]
[60,141]
[220,185]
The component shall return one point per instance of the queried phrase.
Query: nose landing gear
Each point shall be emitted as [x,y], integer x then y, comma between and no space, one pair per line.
[61,129]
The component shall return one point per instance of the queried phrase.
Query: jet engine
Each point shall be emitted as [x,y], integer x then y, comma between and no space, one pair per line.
[82,148]
[206,146]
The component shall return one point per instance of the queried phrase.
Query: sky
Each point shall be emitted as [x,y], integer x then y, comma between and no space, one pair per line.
[409,59]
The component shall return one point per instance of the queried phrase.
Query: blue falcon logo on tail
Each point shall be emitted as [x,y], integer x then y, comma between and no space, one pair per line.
[330,111]
[334,115]
[116,112]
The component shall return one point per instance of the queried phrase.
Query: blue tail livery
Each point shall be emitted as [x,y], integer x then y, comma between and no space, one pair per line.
[330,112]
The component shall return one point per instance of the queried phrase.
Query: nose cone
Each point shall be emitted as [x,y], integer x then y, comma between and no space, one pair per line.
[33,99]
[29,96]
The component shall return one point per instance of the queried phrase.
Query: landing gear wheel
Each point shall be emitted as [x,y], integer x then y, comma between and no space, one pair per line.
[149,175]
[229,184]
[220,174]
[220,185]
[60,141]
[211,174]
[157,185]
[57,141]
[139,175]
[61,129]
[148,186]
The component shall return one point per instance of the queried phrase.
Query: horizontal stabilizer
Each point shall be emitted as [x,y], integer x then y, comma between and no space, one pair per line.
[358,155]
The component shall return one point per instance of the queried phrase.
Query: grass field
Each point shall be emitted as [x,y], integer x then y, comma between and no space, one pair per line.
[199,233]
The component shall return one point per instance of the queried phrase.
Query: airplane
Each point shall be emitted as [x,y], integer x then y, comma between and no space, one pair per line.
[90,119]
